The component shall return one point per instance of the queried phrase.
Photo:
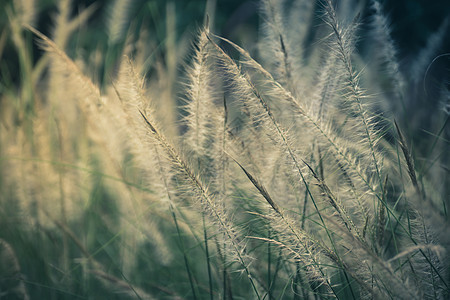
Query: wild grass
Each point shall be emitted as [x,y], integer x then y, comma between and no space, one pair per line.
[287,171]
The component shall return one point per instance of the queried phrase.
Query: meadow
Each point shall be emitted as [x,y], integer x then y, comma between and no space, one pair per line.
[307,159]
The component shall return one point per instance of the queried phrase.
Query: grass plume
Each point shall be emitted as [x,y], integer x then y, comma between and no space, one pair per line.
[293,162]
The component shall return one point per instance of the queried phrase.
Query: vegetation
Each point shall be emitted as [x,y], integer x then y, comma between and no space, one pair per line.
[132,168]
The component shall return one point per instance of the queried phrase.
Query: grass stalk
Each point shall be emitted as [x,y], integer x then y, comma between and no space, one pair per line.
[195,181]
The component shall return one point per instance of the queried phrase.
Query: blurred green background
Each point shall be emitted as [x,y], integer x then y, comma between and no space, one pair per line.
[413,21]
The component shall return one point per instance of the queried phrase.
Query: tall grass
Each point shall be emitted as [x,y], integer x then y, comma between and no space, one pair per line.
[286,171]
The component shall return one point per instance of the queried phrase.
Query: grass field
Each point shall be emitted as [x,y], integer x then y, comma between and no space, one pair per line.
[144,155]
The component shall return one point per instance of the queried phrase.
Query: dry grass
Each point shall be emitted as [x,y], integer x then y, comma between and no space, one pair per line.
[281,174]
